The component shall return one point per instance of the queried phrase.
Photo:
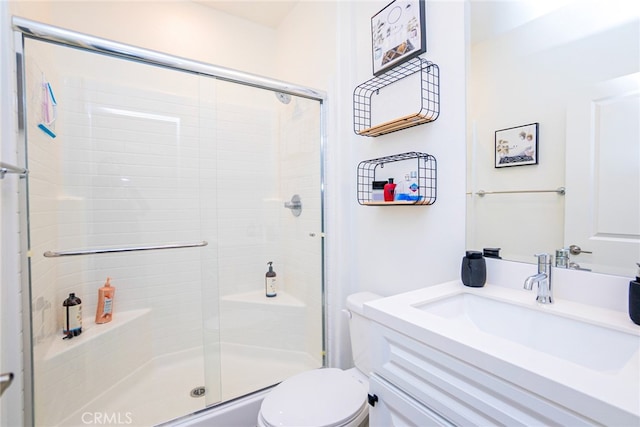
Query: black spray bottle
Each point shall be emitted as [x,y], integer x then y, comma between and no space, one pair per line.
[270,281]
[634,297]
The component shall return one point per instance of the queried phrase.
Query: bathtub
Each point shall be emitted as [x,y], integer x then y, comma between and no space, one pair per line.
[161,389]
[242,412]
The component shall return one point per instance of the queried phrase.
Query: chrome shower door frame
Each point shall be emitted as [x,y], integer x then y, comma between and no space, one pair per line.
[25,28]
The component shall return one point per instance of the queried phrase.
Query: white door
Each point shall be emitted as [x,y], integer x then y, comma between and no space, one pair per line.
[602,213]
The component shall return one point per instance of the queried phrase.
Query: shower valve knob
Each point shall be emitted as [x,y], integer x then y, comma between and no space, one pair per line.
[295,205]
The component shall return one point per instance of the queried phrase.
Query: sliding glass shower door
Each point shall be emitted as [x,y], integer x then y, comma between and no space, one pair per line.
[269,211]
[178,188]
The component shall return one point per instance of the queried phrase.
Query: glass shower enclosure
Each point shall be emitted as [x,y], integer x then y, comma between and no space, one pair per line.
[179,186]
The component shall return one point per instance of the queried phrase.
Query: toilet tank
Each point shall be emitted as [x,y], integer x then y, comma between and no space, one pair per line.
[358,330]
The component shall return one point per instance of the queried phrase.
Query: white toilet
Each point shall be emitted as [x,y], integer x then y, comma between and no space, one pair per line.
[326,397]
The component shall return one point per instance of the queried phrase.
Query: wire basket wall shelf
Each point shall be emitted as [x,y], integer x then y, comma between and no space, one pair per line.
[429,99]
[426,167]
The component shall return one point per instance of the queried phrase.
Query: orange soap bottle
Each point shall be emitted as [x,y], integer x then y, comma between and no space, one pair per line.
[104,312]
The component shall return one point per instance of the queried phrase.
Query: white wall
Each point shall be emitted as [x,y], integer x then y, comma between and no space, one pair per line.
[425,242]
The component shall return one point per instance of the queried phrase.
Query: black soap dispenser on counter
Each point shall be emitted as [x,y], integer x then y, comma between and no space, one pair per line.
[474,269]
[634,297]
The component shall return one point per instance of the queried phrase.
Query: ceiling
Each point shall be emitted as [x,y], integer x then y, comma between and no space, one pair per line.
[265,12]
[488,17]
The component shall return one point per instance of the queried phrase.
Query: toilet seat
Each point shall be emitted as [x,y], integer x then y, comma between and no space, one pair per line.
[322,397]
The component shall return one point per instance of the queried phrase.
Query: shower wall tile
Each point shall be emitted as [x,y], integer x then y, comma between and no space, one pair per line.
[127,164]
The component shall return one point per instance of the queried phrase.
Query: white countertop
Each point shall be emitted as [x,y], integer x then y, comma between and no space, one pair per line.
[610,395]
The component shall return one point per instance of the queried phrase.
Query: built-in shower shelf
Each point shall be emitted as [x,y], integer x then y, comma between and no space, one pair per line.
[258,297]
[91,364]
[101,337]
[252,319]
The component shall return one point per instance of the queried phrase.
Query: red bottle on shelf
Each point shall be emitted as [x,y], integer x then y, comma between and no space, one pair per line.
[389,190]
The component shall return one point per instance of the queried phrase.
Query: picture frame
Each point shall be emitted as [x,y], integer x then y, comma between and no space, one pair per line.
[398,33]
[517,146]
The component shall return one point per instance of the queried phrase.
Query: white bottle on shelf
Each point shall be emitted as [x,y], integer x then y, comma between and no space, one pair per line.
[413,187]
[402,190]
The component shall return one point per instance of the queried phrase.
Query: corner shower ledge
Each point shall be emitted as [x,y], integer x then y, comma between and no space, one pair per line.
[92,331]
[258,297]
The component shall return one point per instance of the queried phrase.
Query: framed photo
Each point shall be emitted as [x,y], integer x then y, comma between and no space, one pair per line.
[517,146]
[398,33]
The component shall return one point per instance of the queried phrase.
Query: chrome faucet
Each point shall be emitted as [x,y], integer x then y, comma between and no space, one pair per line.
[543,279]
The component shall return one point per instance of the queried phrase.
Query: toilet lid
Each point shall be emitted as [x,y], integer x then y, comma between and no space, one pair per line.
[322,397]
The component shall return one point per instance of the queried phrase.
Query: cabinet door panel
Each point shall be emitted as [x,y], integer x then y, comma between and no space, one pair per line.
[395,408]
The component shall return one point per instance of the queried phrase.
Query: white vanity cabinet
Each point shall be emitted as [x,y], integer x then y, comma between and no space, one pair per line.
[416,384]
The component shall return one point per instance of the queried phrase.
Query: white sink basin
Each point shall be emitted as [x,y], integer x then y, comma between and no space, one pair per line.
[576,341]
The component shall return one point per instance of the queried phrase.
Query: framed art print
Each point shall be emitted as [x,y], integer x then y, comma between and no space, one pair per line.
[398,33]
[517,146]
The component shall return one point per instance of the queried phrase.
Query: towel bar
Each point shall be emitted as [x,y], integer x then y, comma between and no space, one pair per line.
[52,254]
[5,169]
[559,190]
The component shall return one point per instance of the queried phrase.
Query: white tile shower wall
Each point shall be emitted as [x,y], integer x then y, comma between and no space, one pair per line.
[209,224]
[132,160]
[265,156]
[299,154]
[44,182]
[249,202]
[128,159]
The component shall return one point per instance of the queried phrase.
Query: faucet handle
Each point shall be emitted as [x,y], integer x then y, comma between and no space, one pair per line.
[543,258]
[562,258]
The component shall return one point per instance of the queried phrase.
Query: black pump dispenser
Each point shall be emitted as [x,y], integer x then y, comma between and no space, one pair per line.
[634,297]
[474,269]
[72,320]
